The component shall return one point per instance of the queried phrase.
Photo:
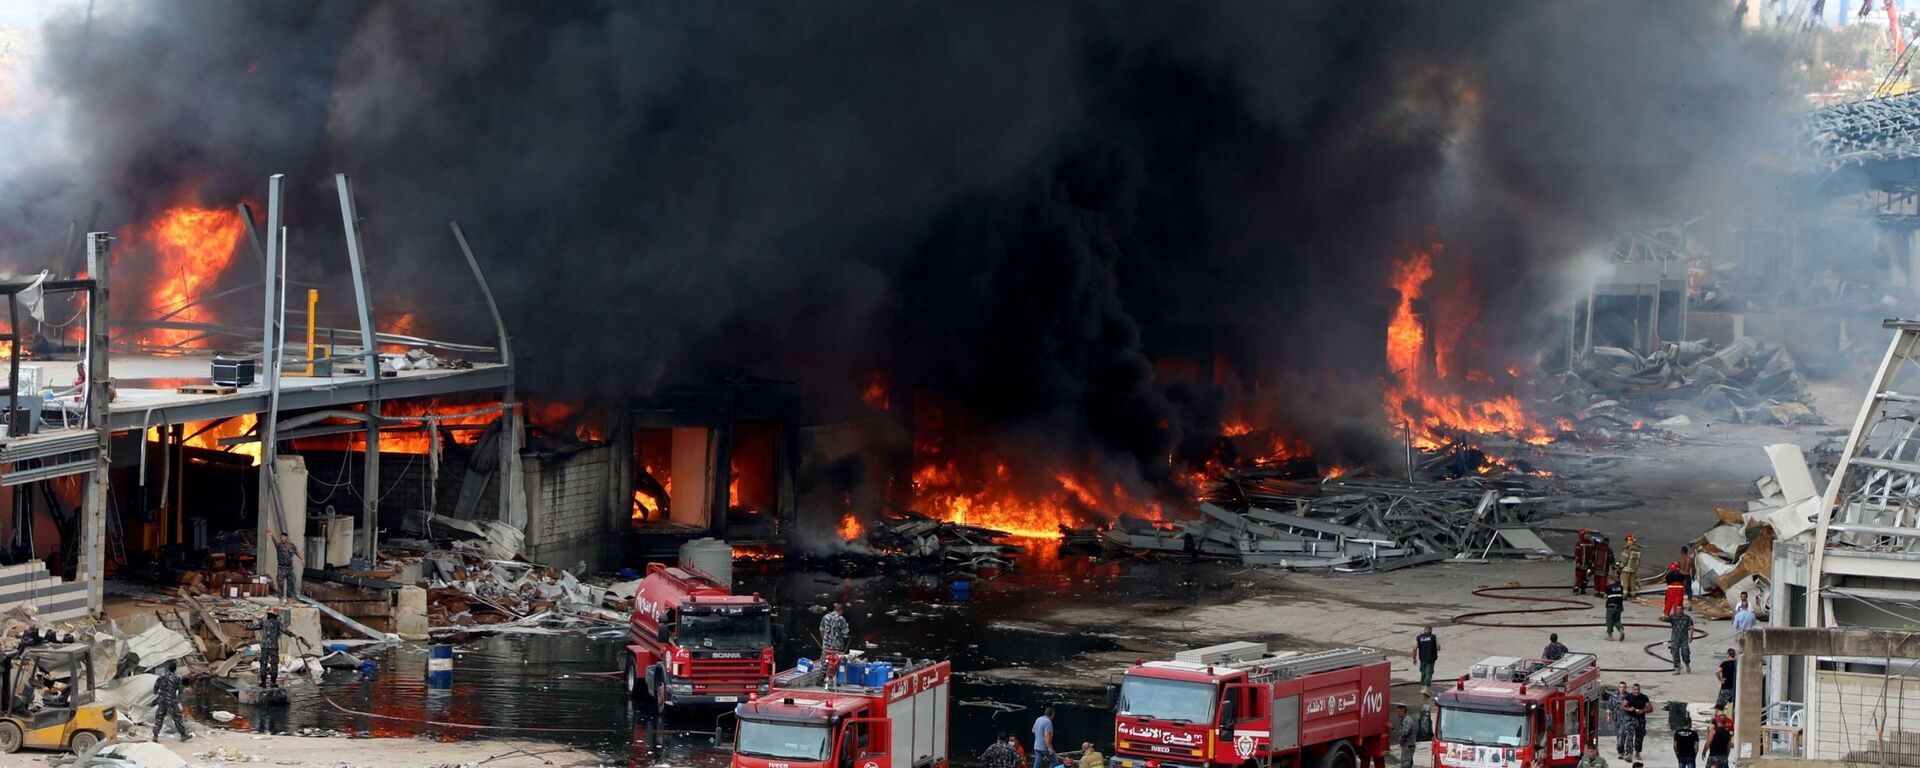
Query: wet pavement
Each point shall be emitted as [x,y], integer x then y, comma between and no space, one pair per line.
[562,687]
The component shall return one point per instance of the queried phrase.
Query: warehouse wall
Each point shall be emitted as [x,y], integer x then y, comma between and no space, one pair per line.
[571,509]
[1858,710]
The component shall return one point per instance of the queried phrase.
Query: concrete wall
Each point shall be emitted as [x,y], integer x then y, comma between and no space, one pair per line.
[1858,711]
[53,600]
[572,510]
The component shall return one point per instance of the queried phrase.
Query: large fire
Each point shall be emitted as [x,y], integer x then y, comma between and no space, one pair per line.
[990,501]
[1426,402]
[190,246]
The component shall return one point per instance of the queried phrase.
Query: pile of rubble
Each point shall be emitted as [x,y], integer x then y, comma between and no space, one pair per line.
[1350,522]
[933,543]
[1689,382]
[467,592]
[1736,554]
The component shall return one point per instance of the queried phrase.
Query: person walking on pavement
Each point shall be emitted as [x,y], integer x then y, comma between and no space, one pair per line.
[1001,753]
[1582,561]
[1602,564]
[270,629]
[1680,642]
[1638,705]
[1616,709]
[834,631]
[1630,566]
[1426,650]
[1404,734]
[1686,744]
[1043,739]
[1676,589]
[1719,746]
[1616,611]
[166,693]
[1554,650]
[1728,672]
[284,553]
[1590,757]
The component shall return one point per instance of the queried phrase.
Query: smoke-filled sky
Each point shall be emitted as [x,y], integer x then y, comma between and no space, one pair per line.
[995,200]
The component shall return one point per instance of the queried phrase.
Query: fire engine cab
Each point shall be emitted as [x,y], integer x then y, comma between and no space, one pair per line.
[1508,710]
[692,641]
[843,712]
[1238,705]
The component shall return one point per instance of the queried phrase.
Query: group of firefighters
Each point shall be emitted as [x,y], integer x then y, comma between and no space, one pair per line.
[1618,580]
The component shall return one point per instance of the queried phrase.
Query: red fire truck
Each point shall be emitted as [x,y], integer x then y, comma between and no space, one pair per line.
[692,641]
[847,713]
[1506,710]
[1239,705]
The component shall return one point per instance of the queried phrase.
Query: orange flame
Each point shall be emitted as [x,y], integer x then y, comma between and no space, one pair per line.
[851,529]
[191,246]
[645,505]
[1412,401]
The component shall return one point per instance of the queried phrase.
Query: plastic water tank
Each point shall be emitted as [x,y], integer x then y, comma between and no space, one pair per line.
[712,557]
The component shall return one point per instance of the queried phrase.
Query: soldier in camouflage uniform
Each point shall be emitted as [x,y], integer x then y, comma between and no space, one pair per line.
[284,555]
[166,692]
[1680,643]
[1001,754]
[270,629]
[834,630]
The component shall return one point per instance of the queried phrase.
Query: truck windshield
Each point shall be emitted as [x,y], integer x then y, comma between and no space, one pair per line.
[1466,726]
[725,632]
[783,741]
[1159,699]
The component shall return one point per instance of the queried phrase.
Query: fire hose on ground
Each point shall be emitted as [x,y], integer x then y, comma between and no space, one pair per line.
[1478,618]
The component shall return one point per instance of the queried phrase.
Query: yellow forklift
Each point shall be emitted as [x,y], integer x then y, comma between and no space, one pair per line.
[37,712]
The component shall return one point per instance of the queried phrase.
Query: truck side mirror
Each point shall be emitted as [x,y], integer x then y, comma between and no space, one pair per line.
[1112,695]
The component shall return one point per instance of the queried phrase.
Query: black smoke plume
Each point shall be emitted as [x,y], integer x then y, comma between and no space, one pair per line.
[1007,206]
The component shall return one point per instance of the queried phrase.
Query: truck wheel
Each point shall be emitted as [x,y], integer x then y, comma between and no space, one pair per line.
[10,736]
[1340,755]
[82,742]
[657,687]
[633,681]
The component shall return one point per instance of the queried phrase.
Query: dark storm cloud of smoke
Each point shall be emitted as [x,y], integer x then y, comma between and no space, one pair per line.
[991,200]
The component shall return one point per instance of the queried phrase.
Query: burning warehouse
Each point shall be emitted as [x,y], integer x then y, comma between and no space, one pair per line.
[640,351]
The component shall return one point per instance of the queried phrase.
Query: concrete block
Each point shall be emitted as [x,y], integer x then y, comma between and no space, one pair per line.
[410,612]
[304,622]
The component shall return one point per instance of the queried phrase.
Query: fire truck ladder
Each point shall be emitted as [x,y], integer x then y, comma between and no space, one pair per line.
[1253,658]
[1560,672]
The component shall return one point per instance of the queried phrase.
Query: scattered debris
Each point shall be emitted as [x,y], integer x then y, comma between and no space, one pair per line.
[939,544]
[1748,381]
[1350,522]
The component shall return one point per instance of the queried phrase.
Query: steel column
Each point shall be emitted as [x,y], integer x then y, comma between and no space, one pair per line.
[370,494]
[93,551]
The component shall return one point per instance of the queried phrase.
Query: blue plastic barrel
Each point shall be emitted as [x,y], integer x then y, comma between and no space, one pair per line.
[337,647]
[852,673]
[440,666]
[878,673]
[803,664]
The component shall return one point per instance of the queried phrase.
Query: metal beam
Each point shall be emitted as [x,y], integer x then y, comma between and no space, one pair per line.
[512,505]
[93,553]
[363,302]
[270,518]
[343,393]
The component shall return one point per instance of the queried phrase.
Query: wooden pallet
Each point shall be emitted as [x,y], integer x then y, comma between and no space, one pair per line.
[206,389]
